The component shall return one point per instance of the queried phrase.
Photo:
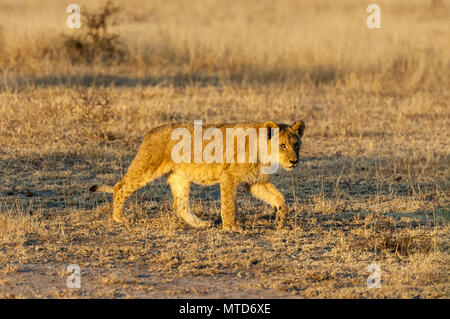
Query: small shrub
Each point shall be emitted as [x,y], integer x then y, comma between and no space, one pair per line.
[95,41]
[92,109]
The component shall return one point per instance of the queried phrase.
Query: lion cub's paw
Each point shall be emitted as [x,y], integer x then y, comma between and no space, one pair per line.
[233,228]
[205,224]
[283,227]
[121,219]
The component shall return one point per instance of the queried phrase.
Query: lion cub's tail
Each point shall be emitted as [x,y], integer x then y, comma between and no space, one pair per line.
[101,189]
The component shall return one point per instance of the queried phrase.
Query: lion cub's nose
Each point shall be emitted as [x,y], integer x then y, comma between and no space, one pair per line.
[293,161]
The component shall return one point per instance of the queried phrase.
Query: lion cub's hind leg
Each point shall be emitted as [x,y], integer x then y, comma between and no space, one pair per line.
[127,186]
[140,173]
[180,187]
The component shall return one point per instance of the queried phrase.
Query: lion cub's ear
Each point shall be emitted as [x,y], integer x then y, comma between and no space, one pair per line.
[298,127]
[270,125]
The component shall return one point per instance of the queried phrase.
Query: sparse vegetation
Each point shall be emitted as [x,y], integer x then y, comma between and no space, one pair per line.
[373,186]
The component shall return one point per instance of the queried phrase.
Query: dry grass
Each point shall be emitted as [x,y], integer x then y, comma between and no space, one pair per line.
[373,186]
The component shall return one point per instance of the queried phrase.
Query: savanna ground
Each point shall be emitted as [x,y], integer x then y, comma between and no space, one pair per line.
[372,187]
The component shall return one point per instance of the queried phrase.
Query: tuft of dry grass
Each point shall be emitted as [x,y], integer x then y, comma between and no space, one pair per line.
[381,233]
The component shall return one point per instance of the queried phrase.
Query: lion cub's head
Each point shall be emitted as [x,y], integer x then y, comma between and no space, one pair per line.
[290,141]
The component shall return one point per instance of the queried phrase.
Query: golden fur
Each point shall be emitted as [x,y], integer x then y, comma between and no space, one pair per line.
[154,160]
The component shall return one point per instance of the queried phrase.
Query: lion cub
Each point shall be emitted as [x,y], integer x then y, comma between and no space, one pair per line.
[229,154]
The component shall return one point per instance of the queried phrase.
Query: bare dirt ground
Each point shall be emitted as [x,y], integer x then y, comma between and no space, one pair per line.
[372,187]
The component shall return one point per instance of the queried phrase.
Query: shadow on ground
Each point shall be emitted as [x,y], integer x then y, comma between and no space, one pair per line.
[60,181]
[316,76]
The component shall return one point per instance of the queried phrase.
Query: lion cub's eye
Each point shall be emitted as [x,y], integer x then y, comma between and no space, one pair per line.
[283,146]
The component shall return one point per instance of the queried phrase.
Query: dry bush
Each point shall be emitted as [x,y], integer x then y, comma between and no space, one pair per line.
[93,110]
[96,41]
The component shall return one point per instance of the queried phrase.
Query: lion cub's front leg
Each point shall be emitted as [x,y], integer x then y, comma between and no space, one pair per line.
[228,189]
[267,192]
[279,204]
[180,190]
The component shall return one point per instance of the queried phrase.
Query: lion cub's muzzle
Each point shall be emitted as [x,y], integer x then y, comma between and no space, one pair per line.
[293,163]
